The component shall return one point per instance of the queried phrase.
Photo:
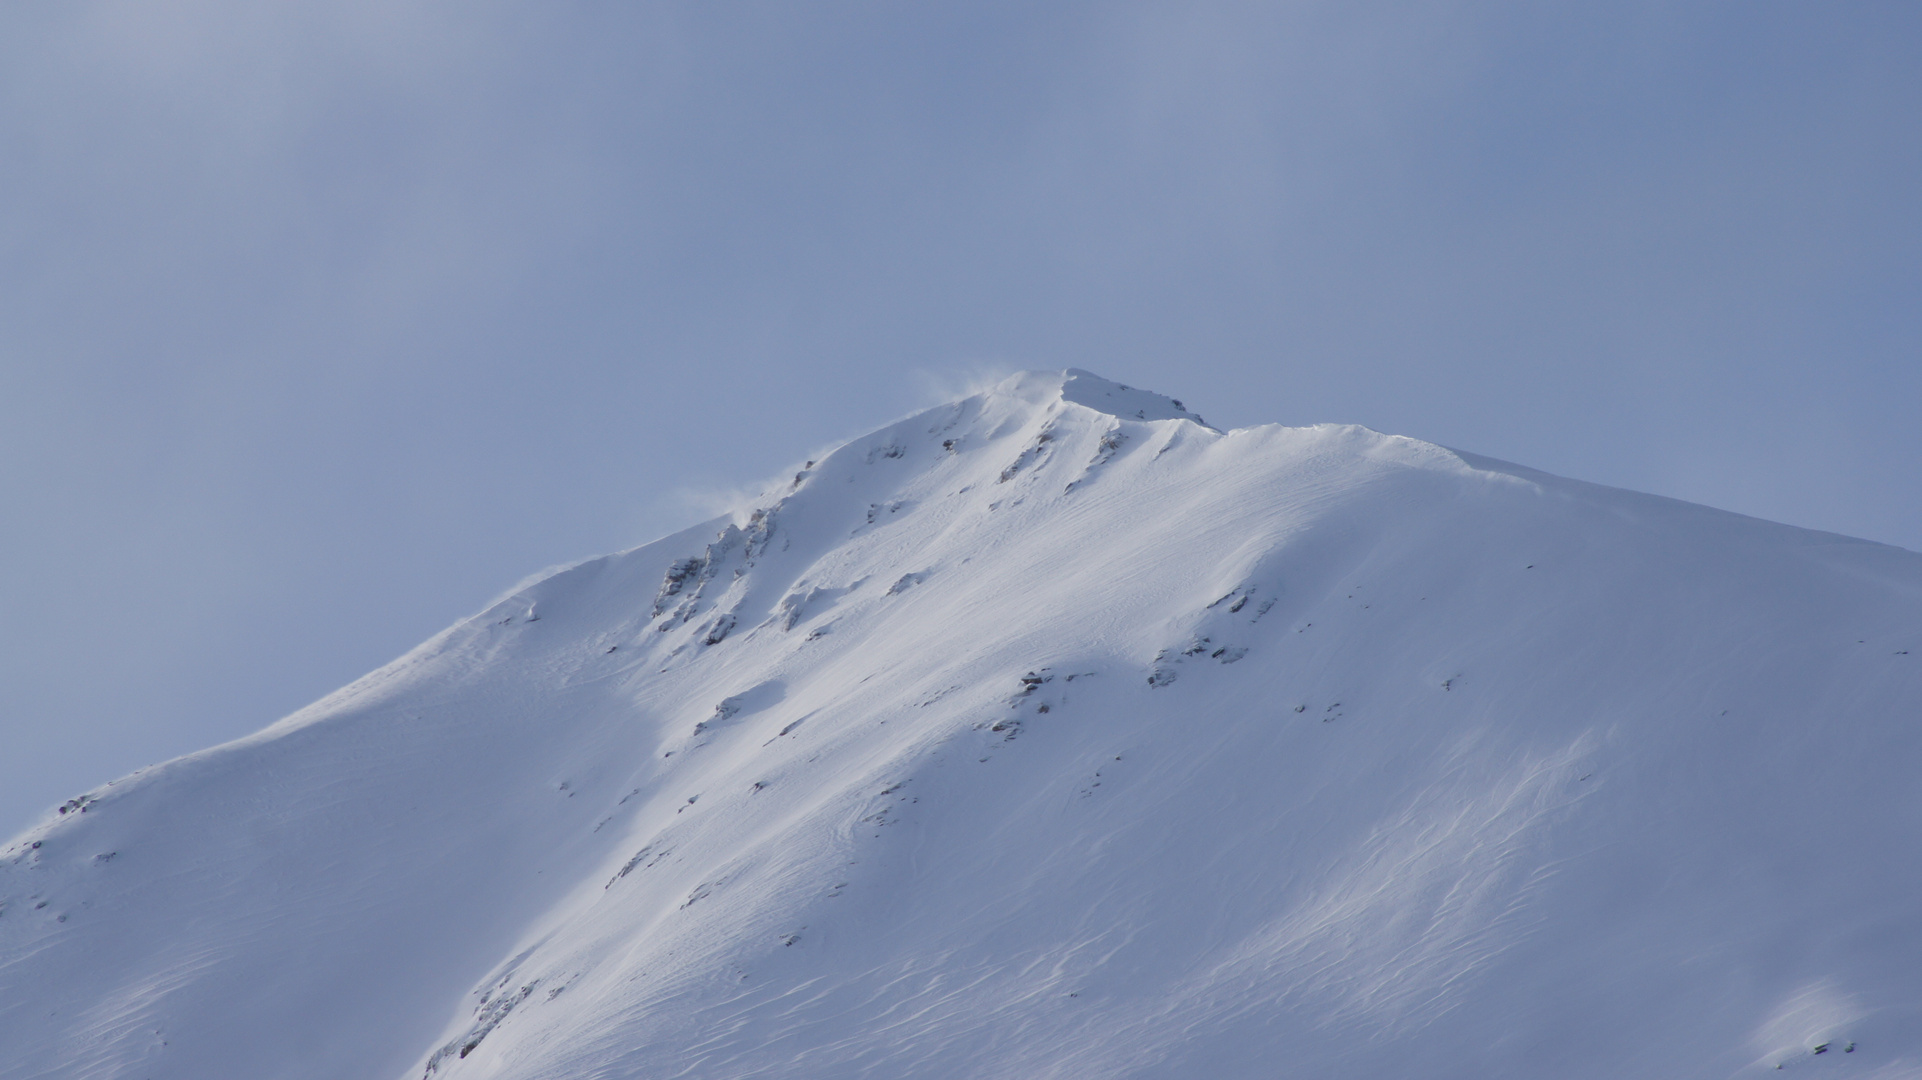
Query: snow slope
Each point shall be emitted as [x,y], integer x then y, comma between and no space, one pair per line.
[1052,733]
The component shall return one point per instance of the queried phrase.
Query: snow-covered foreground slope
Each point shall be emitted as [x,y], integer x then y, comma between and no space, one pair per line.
[1052,733]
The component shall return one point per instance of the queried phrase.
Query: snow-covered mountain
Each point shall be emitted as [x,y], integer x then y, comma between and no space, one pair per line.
[1052,733]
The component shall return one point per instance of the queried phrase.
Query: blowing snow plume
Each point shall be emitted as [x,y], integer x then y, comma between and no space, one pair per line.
[1052,733]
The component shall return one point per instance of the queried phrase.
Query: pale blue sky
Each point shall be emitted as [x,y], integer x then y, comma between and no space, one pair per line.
[324,323]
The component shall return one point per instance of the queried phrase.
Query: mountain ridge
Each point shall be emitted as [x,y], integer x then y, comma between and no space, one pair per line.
[1021,737]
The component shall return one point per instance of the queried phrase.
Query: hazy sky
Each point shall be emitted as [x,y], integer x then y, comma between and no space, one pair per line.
[322,324]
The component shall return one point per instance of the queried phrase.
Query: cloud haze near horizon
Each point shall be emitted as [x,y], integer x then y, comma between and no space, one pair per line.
[324,323]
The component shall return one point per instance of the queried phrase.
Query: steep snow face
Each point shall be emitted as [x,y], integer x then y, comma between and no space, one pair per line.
[1052,733]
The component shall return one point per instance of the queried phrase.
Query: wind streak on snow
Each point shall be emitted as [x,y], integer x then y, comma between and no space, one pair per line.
[1808,1018]
[1432,895]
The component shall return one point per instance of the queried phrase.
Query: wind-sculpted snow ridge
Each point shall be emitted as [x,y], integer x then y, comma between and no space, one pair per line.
[1052,733]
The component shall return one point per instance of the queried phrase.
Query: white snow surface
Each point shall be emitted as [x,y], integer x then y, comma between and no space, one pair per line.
[1052,734]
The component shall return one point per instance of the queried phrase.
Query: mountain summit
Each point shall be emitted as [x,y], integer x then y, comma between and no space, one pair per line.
[1051,733]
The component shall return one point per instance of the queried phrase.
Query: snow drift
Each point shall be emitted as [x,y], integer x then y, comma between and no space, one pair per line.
[1052,733]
